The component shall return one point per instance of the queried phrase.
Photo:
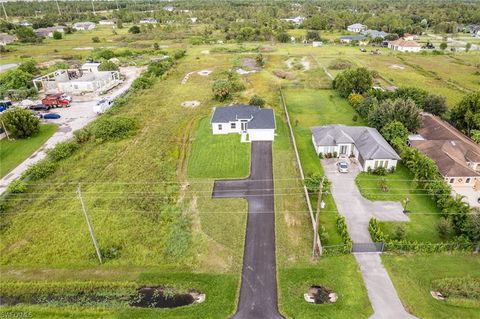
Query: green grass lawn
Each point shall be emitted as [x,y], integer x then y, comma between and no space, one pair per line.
[339,273]
[14,152]
[412,276]
[220,289]
[424,214]
[217,156]
[308,108]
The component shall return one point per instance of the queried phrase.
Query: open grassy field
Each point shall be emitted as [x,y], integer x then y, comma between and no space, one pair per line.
[412,276]
[424,213]
[14,152]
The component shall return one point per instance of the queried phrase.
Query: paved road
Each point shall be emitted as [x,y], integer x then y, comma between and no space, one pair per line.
[73,118]
[258,292]
[357,211]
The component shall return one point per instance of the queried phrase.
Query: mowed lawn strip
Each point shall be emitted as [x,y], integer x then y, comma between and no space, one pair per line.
[218,156]
[424,214]
[412,276]
[338,273]
[15,151]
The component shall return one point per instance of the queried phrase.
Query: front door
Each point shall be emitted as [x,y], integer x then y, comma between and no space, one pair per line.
[244,127]
[343,149]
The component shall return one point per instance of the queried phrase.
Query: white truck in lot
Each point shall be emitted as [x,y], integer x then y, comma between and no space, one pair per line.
[103,105]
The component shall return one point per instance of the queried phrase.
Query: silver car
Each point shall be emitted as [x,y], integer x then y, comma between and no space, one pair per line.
[342,167]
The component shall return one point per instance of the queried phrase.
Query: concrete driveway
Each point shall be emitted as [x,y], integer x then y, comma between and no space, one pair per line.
[356,209]
[258,292]
[72,118]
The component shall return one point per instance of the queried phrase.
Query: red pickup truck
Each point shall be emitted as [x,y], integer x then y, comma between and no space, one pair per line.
[56,100]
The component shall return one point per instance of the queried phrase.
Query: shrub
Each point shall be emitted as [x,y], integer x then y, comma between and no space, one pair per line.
[399,232]
[395,130]
[340,64]
[435,104]
[17,187]
[20,123]
[142,82]
[108,128]
[283,37]
[29,67]
[358,80]
[134,29]
[257,100]
[380,171]
[403,111]
[355,117]
[343,231]
[354,99]
[444,228]
[63,150]
[178,54]
[83,135]
[221,89]
[96,40]
[15,79]
[108,66]
[464,287]
[40,170]
[57,35]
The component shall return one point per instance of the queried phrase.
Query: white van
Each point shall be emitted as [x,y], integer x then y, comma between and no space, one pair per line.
[103,105]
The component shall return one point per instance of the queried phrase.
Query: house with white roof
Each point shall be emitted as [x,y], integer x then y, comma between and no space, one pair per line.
[252,122]
[360,142]
[357,27]
[296,20]
[374,33]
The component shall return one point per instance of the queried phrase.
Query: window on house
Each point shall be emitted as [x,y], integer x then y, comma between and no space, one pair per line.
[219,127]
[467,181]
[452,180]
[233,125]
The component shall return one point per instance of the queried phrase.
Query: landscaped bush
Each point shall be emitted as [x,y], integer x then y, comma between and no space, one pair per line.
[343,231]
[63,150]
[108,128]
[463,287]
[380,171]
[40,170]
[17,187]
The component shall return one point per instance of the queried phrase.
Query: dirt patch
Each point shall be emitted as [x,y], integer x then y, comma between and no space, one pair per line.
[83,48]
[186,77]
[283,75]
[191,104]
[50,63]
[205,52]
[396,67]
[305,62]
[204,72]
[320,295]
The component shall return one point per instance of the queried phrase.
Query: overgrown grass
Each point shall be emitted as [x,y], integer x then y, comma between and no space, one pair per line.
[424,213]
[14,152]
[414,276]
[217,156]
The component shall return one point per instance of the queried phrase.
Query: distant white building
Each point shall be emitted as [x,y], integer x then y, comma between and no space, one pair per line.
[296,20]
[25,23]
[85,79]
[357,27]
[84,26]
[193,19]
[148,21]
[404,46]
[169,8]
[317,44]
[106,22]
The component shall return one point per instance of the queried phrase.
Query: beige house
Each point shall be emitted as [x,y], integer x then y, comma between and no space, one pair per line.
[403,45]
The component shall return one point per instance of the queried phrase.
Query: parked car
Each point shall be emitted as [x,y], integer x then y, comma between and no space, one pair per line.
[103,105]
[50,116]
[5,105]
[39,107]
[342,167]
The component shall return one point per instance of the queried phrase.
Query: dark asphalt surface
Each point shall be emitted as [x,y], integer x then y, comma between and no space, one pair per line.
[258,292]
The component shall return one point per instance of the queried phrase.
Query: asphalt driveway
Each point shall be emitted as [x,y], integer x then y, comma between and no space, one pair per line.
[258,292]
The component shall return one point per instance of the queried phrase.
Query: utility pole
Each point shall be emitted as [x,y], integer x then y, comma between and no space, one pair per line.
[4,11]
[90,228]
[5,129]
[118,8]
[58,8]
[93,7]
[317,245]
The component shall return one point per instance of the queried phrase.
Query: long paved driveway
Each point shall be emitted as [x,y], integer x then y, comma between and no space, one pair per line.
[357,211]
[258,292]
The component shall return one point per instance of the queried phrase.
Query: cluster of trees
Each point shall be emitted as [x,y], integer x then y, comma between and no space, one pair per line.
[20,123]
[17,83]
[226,84]
[466,115]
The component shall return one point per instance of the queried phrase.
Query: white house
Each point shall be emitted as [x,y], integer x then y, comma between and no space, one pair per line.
[357,27]
[363,143]
[252,122]
[404,46]
[85,79]
[84,26]
[48,32]
[296,20]
[106,22]
[148,21]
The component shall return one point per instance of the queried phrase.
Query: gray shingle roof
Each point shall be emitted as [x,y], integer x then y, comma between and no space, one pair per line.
[353,37]
[368,141]
[259,118]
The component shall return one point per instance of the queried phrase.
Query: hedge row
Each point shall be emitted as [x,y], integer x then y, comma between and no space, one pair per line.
[343,231]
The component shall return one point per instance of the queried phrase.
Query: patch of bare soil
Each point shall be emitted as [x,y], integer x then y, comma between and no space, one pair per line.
[159,297]
[320,295]
[396,67]
[191,104]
